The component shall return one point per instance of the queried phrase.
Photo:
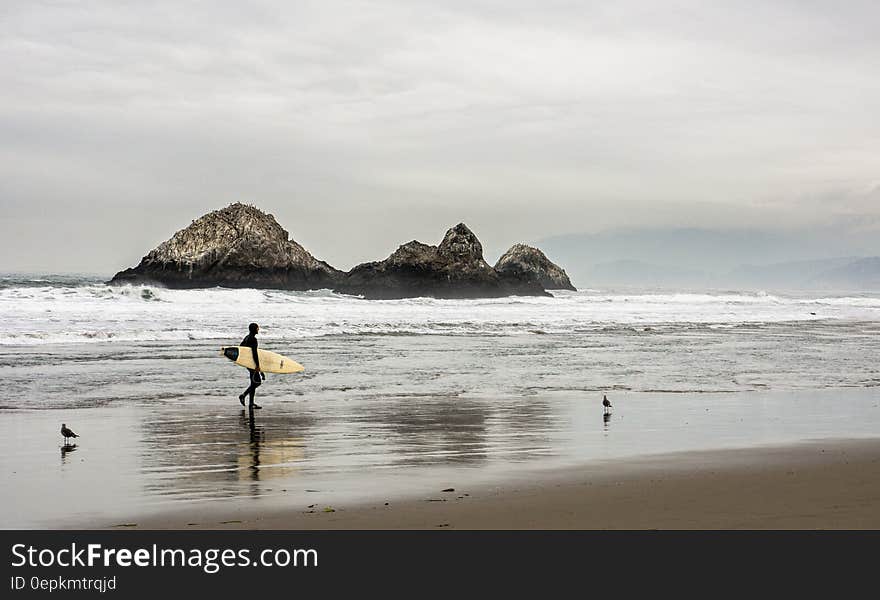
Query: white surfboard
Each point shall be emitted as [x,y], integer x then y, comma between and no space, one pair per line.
[270,362]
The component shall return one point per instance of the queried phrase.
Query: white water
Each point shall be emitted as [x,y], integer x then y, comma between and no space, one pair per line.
[85,311]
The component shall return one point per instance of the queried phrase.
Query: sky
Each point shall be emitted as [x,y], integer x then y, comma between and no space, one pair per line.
[363,125]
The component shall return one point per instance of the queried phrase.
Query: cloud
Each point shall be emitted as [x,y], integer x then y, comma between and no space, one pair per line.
[362,125]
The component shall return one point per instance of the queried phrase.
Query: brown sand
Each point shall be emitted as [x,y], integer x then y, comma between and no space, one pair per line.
[820,485]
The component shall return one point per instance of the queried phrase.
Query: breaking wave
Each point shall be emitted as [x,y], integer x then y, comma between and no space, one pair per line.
[69,309]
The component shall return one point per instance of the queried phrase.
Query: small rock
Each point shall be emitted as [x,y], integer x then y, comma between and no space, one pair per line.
[449,490]
[528,263]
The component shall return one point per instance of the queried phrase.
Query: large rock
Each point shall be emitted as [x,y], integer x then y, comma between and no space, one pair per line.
[454,269]
[527,262]
[237,246]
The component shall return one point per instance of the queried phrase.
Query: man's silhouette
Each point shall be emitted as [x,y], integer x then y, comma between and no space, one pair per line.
[256,376]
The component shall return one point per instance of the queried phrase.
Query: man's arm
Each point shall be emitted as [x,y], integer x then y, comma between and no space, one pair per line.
[257,360]
[256,354]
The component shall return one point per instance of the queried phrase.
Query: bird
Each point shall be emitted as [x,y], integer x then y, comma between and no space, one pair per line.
[67,433]
[606,403]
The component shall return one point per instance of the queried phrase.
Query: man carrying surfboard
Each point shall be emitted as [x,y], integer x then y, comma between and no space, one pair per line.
[256,375]
[258,362]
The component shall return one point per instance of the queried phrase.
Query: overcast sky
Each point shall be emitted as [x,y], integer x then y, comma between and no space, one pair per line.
[364,125]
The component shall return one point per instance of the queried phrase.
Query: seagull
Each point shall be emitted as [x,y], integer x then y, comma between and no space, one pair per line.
[606,403]
[67,433]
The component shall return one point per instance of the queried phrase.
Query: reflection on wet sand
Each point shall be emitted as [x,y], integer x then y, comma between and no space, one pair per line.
[192,454]
[423,431]
[260,458]
[526,425]
[296,452]
[456,431]
[65,449]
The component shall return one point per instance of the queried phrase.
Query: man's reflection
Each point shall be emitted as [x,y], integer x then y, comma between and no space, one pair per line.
[257,435]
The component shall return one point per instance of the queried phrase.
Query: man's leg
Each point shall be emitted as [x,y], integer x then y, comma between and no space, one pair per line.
[253,390]
[250,390]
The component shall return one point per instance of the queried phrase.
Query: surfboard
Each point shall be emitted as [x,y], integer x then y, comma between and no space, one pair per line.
[270,362]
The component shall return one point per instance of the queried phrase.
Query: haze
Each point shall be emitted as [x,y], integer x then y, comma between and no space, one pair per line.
[364,125]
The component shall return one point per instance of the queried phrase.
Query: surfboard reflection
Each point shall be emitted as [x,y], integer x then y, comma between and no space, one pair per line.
[260,458]
[195,452]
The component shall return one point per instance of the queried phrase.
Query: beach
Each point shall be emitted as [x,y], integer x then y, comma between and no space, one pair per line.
[658,460]
[834,484]
[497,399]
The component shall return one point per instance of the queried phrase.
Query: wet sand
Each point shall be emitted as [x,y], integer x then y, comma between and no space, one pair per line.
[832,484]
[521,460]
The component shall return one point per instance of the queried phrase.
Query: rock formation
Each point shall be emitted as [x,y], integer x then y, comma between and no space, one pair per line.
[454,269]
[241,246]
[526,262]
[237,246]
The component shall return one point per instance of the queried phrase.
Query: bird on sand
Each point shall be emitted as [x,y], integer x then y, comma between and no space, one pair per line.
[67,433]
[606,403]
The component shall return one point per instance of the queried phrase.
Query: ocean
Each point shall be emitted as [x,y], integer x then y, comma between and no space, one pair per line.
[400,390]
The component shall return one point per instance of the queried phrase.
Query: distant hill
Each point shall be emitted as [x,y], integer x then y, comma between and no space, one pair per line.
[718,258]
[861,274]
[792,275]
[638,273]
[851,273]
[693,248]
